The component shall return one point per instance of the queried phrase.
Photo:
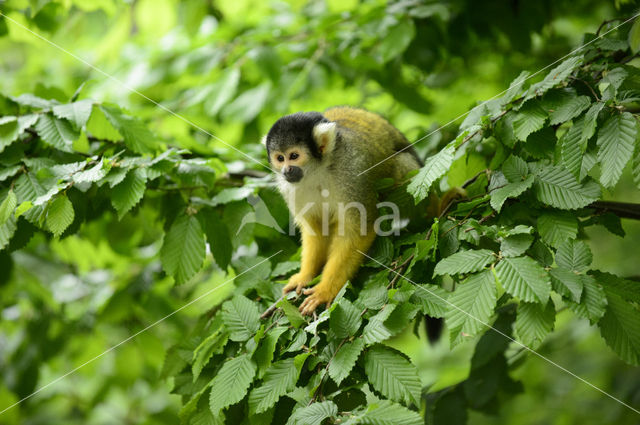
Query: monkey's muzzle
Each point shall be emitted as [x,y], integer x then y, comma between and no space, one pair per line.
[292,174]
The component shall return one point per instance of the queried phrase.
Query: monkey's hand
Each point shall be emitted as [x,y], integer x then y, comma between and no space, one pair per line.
[318,295]
[296,282]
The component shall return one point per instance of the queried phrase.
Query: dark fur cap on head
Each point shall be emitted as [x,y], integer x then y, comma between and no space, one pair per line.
[295,129]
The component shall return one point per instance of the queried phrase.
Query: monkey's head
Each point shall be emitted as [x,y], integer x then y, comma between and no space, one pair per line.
[297,143]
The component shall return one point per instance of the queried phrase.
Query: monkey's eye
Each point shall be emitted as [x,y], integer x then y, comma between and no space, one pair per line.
[293,156]
[280,158]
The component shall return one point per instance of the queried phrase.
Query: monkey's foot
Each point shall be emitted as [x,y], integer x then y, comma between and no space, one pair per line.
[296,282]
[316,296]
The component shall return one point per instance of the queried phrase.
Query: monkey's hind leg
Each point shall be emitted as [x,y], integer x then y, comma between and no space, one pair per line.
[344,260]
[314,256]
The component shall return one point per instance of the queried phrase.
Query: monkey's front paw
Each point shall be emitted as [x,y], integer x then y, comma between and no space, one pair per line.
[296,282]
[316,296]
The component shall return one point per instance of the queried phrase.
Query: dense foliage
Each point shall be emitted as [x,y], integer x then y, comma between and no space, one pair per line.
[111,219]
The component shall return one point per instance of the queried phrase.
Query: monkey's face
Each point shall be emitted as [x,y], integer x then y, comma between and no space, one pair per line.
[292,145]
[290,162]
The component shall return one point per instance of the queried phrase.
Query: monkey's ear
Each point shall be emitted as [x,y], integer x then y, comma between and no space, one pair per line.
[264,140]
[325,136]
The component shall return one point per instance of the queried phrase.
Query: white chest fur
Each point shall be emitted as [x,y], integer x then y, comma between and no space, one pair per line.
[310,197]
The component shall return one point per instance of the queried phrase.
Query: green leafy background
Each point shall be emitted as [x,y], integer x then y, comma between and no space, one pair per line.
[135,207]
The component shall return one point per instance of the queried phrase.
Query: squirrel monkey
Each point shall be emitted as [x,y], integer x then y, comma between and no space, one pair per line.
[318,159]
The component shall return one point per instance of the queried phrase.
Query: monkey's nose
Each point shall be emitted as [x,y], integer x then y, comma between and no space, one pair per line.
[292,174]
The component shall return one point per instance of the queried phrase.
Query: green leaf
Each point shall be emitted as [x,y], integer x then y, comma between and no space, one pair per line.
[396,41]
[542,143]
[433,299]
[472,305]
[634,36]
[8,206]
[213,344]
[6,232]
[292,313]
[7,172]
[388,413]
[557,187]
[590,122]
[76,112]
[9,131]
[284,268]
[100,127]
[375,331]
[93,174]
[392,375]
[616,141]
[230,195]
[28,188]
[556,76]
[515,169]
[464,262]
[593,302]
[280,378]
[570,108]
[524,278]
[126,194]
[572,147]
[345,319]
[249,104]
[626,289]
[345,359]
[183,249]
[434,168]
[620,328]
[515,245]
[635,167]
[231,383]
[567,283]
[263,356]
[533,322]
[574,255]
[136,135]
[515,88]
[222,91]
[555,227]
[218,239]
[241,317]
[530,118]
[60,215]
[58,133]
[313,414]
[511,190]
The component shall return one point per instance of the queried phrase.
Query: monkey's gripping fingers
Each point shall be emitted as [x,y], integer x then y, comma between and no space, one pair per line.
[296,282]
[315,296]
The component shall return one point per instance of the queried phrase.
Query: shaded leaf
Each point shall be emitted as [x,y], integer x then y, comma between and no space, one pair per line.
[345,359]
[231,383]
[533,322]
[616,140]
[126,194]
[392,375]
[434,168]
[60,215]
[472,305]
[557,187]
[56,132]
[464,262]
[183,249]
[241,317]
[524,278]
